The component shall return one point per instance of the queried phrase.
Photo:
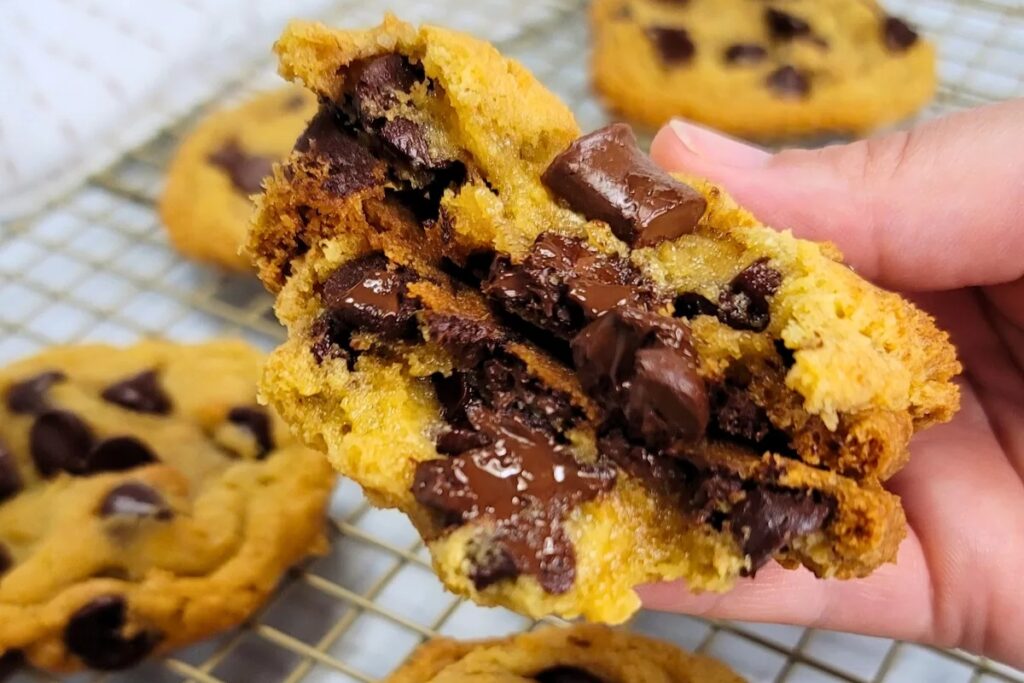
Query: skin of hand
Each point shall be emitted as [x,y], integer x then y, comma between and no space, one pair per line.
[936,212]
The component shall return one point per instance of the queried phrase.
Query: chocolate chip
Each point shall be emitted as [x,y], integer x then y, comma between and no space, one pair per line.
[378,79]
[606,177]
[767,520]
[641,368]
[10,662]
[367,296]
[525,484]
[118,454]
[623,13]
[563,283]
[785,26]
[294,102]
[245,170]
[29,396]
[745,53]
[566,674]
[789,82]
[453,393]
[690,305]
[6,561]
[737,416]
[10,477]
[456,440]
[744,304]
[97,634]
[257,422]
[898,34]
[135,499]
[786,355]
[141,393]
[673,43]
[490,564]
[60,441]
[351,167]
[331,339]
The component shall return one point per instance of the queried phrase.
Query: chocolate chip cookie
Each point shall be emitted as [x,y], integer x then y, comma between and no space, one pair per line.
[146,500]
[574,372]
[760,69]
[205,204]
[577,654]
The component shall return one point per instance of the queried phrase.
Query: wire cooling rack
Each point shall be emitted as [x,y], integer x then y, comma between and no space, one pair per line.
[96,266]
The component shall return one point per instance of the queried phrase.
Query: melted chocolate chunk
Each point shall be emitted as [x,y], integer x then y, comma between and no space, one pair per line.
[10,477]
[789,82]
[365,295]
[469,340]
[60,441]
[97,635]
[744,305]
[378,84]
[898,35]
[141,393]
[767,520]
[453,393]
[606,177]
[566,674]
[785,26]
[331,339]
[6,561]
[745,53]
[255,420]
[408,139]
[690,305]
[351,166]
[660,472]
[737,416]
[457,440]
[672,43]
[118,454]
[563,284]
[245,170]
[28,397]
[378,81]
[641,368]
[135,499]
[525,483]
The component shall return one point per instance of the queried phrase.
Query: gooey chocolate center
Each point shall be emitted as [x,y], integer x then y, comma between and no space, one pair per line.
[508,459]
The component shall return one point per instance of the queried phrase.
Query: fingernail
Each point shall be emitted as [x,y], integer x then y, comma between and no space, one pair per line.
[721,149]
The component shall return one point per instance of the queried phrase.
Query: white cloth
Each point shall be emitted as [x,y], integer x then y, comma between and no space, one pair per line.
[82,81]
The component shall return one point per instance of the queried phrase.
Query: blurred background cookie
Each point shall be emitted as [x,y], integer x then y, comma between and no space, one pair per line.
[757,69]
[578,654]
[140,509]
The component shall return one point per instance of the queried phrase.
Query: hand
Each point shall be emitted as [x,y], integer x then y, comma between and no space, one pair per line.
[937,212]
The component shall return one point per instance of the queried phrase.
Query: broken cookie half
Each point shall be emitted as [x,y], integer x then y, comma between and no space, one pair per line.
[574,372]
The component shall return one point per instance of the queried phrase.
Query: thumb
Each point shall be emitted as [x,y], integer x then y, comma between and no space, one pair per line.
[936,207]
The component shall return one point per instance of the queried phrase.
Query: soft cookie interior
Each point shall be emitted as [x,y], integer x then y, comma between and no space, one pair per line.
[574,372]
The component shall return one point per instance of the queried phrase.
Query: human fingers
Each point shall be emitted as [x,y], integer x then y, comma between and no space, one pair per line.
[935,207]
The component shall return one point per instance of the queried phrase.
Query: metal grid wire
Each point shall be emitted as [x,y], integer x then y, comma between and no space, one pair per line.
[97,266]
